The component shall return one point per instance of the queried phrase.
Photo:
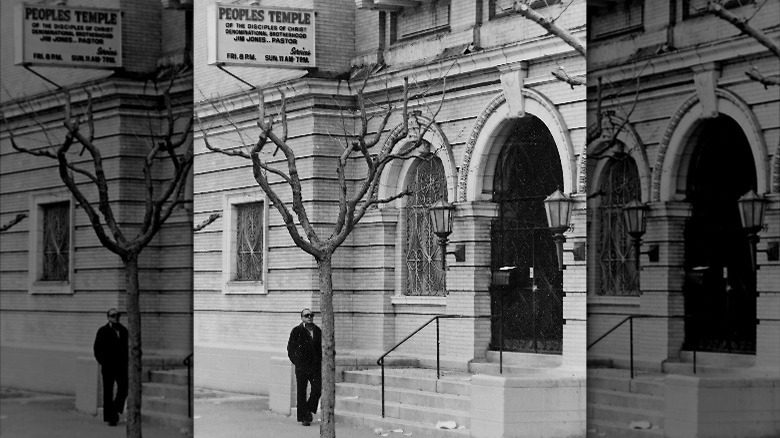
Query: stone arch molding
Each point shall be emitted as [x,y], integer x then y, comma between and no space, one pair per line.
[678,133]
[482,148]
[395,174]
[635,148]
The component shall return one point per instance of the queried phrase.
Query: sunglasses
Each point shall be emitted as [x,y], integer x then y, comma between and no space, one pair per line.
[308,315]
[113,315]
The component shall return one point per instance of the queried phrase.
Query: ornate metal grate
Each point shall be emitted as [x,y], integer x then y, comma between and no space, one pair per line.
[249,241]
[56,241]
[720,284]
[528,170]
[424,275]
[616,255]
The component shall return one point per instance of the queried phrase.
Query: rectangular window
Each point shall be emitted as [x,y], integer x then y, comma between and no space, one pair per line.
[426,19]
[249,241]
[694,8]
[501,8]
[608,18]
[56,241]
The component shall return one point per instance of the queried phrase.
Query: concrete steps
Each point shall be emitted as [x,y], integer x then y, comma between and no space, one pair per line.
[414,401]
[165,399]
[515,364]
[619,406]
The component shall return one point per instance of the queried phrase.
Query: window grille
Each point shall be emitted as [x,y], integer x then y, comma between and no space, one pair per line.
[56,241]
[249,241]
[423,20]
[617,258]
[613,17]
[423,253]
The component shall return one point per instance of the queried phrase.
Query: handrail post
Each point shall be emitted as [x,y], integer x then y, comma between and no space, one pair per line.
[501,337]
[383,388]
[694,361]
[631,344]
[438,373]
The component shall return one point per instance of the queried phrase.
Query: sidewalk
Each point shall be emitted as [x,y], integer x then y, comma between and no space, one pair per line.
[25,414]
[219,414]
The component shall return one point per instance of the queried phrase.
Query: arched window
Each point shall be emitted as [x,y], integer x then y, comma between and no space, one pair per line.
[424,275]
[617,275]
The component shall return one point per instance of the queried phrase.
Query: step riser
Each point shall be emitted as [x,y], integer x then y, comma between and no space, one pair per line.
[386,425]
[625,400]
[419,399]
[508,370]
[627,385]
[430,385]
[609,431]
[615,416]
[165,406]
[181,423]
[403,412]
[166,391]
[530,360]
[170,377]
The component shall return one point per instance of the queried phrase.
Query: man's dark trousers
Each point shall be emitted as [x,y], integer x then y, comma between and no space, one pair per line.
[113,406]
[304,375]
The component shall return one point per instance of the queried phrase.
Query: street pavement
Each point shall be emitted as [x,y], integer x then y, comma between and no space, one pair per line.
[26,414]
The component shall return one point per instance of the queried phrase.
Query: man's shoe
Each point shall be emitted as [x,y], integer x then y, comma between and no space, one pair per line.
[306,423]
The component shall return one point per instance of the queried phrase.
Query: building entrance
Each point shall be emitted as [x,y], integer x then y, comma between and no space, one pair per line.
[720,285]
[528,312]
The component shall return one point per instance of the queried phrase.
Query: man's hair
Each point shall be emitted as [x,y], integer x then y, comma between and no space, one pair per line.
[305,309]
[113,309]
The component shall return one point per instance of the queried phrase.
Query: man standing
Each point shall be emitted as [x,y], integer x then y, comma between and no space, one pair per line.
[111,353]
[305,352]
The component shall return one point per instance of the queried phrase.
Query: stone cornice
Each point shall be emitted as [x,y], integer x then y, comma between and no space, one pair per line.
[682,59]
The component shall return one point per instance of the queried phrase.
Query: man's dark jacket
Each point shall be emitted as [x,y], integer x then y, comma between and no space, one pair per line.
[110,350]
[304,350]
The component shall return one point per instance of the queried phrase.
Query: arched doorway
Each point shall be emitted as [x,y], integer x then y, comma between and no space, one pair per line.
[527,313]
[720,285]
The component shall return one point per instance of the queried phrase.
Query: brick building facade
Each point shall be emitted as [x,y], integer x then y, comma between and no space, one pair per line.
[686,132]
[49,316]
[504,118]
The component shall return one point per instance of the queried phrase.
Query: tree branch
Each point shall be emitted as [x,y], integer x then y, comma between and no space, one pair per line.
[525,10]
[208,221]
[573,81]
[19,217]
[766,81]
[716,8]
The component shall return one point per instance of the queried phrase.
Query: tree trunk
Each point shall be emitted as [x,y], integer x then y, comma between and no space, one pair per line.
[134,347]
[328,425]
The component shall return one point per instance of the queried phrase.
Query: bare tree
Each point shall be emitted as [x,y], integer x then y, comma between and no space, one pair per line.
[169,148]
[523,8]
[360,147]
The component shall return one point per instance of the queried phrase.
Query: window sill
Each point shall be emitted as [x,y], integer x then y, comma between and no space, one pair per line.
[51,287]
[244,288]
[602,300]
[406,300]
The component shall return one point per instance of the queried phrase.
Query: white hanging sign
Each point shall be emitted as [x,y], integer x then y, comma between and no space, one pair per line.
[68,36]
[263,36]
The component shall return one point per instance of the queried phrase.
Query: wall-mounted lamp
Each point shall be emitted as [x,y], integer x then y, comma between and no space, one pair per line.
[635,219]
[558,208]
[441,218]
[751,214]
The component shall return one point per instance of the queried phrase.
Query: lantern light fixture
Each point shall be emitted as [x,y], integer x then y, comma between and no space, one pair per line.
[441,214]
[558,209]
[751,213]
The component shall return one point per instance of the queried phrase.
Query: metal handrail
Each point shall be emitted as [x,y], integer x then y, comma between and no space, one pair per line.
[188,361]
[630,319]
[381,360]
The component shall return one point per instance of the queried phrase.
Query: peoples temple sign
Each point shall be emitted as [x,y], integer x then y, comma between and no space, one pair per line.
[262,36]
[68,36]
